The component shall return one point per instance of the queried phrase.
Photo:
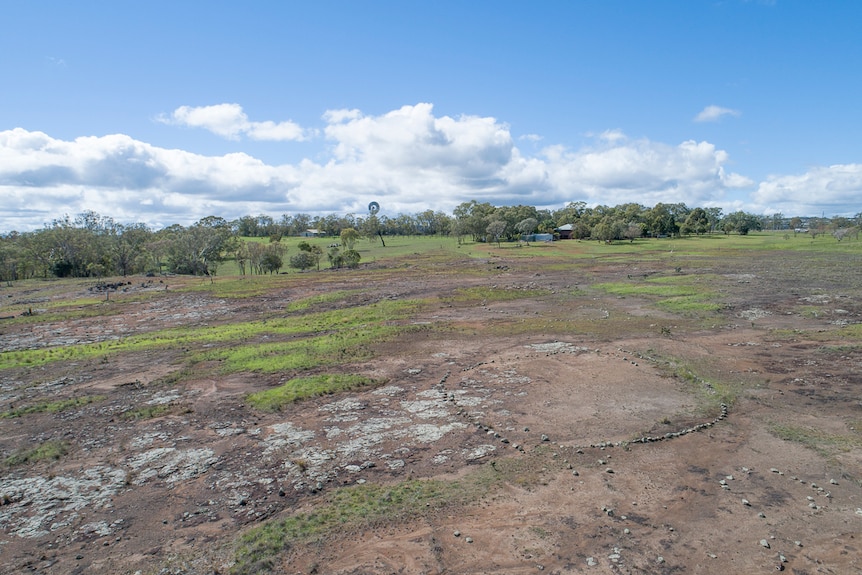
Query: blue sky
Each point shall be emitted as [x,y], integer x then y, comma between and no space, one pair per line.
[166,112]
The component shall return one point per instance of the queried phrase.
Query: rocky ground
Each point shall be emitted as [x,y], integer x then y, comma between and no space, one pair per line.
[626,471]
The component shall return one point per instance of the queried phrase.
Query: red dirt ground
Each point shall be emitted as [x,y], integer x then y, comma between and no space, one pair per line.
[168,494]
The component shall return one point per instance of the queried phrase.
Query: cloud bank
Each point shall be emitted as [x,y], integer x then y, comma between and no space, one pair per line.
[407,159]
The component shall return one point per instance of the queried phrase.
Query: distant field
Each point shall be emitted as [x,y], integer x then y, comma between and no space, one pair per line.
[398,247]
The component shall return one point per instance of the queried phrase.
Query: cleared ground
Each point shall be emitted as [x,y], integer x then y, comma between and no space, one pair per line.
[555,409]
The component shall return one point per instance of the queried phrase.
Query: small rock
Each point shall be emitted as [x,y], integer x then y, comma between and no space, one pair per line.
[660,559]
[609,470]
[469,539]
[764,543]
[591,561]
[746,502]
[457,533]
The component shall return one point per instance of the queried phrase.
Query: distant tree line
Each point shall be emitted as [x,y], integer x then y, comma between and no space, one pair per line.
[92,245]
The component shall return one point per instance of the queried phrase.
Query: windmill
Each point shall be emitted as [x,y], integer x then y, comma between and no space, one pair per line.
[373,208]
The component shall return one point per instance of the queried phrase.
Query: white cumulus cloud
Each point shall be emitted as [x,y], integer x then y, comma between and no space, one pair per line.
[230,121]
[835,190]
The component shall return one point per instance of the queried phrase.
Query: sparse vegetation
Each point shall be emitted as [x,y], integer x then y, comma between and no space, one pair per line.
[305,387]
[152,411]
[826,444]
[51,406]
[48,450]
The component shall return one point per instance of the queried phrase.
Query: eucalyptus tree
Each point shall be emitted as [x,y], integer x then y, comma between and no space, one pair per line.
[475,217]
[495,231]
[349,237]
[200,248]
[527,226]
[697,222]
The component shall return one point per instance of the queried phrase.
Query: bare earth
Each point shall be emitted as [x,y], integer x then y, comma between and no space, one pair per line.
[720,495]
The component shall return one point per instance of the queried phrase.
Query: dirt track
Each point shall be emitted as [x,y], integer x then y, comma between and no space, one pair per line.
[167,494]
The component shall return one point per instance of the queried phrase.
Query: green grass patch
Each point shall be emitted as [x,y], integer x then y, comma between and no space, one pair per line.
[301,388]
[355,507]
[492,294]
[709,390]
[680,294]
[336,348]
[238,287]
[321,299]
[646,289]
[853,331]
[360,506]
[52,406]
[825,444]
[48,450]
[309,325]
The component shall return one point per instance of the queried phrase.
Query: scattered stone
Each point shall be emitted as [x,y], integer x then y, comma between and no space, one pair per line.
[764,543]
[591,561]
[469,539]
[660,559]
[457,533]
[746,502]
